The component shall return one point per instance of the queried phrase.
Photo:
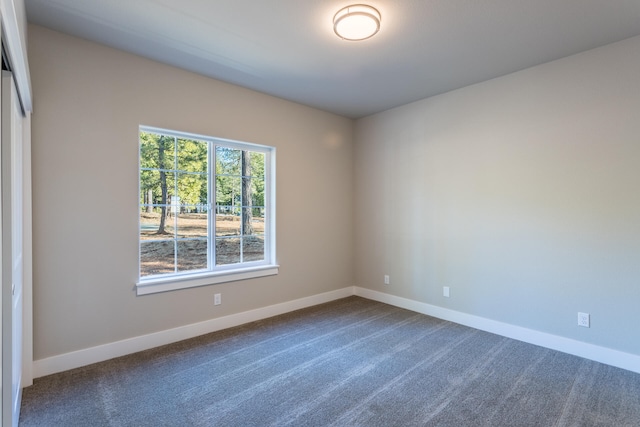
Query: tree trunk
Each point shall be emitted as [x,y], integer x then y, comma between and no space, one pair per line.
[149,201]
[247,214]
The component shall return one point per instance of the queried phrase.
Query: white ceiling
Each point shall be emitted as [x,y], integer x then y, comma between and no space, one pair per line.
[287,48]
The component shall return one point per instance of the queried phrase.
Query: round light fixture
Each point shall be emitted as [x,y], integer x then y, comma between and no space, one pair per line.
[356,22]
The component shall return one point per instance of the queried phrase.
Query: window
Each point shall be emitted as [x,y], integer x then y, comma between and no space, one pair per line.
[206,210]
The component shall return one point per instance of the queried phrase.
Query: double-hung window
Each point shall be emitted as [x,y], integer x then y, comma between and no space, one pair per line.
[206,210]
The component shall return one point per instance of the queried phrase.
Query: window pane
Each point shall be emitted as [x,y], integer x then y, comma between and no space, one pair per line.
[156,257]
[192,225]
[247,192]
[227,250]
[228,225]
[152,227]
[257,191]
[149,186]
[166,152]
[192,190]
[228,191]
[148,150]
[192,255]
[257,165]
[251,224]
[167,204]
[192,155]
[157,151]
[159,186]
[228,210]
[150,223]
[257,220]
[228,161]
[169,181]
[253,248]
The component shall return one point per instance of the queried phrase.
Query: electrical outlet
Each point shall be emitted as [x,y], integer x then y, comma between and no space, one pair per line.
[217,299]
[386,279]
[583,319]
[445,291]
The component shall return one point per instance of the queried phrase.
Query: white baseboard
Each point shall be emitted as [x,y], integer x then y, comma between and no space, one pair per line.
[597,353]
[76,359]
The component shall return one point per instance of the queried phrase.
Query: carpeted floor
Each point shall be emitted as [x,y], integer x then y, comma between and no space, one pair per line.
[351,362]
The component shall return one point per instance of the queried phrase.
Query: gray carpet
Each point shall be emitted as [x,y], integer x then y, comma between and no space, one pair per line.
[351,362]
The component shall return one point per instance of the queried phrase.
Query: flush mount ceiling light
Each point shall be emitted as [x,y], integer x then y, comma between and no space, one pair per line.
[356,22]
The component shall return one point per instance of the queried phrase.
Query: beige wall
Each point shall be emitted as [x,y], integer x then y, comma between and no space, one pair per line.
[522,194]
[88,103]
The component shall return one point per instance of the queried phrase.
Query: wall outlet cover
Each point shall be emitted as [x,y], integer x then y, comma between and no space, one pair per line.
[583,319]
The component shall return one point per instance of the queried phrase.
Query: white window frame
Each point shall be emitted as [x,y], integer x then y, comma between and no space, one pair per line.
[217,273]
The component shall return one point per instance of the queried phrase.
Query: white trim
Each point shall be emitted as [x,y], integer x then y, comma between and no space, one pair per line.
[172,283]
[27,256]
[593,352]
[76,359]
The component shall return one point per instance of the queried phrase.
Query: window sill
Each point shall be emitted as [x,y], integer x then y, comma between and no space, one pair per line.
[152,286]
